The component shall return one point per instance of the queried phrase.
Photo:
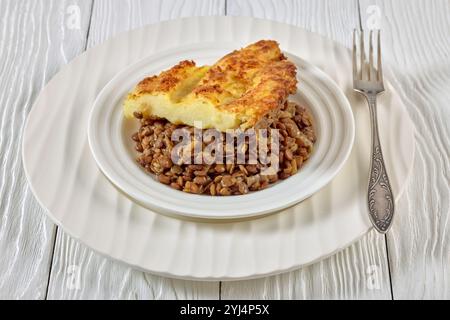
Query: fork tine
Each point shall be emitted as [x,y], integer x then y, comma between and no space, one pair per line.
[380,71]
[370,66]
[362,54]
[355,67]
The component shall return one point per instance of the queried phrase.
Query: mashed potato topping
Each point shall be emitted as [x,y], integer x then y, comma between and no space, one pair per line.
[238,91]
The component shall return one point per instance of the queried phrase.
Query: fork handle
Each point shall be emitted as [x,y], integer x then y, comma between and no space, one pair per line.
[379,195]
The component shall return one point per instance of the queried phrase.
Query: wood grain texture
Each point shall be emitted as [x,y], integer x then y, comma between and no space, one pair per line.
[99,277]
[360,271]
[34,44]
[111,17]
[416,44]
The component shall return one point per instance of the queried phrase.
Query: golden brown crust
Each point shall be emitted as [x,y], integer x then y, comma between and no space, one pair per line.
[232,76]
[269,92]
[166,80]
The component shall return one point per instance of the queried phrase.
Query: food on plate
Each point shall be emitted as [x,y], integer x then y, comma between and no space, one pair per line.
[246,91]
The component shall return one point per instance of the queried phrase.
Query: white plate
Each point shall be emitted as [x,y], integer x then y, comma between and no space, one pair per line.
[67,182]
[109,137]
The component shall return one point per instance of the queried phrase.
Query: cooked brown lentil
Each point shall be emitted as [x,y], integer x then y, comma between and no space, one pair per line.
[153,142]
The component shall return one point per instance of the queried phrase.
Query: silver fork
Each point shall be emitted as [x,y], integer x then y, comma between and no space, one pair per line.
[368,81]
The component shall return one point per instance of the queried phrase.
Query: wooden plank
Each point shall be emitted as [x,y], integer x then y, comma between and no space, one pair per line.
[36,40]
[416,44]
[360,271]
[79,273]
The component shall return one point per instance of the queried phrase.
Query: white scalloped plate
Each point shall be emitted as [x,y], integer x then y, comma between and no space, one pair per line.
[66,180]
[109,136]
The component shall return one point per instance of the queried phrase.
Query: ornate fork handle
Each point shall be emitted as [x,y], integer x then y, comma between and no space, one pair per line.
[380,197]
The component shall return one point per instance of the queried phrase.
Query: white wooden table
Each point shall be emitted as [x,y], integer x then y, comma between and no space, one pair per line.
[39,261]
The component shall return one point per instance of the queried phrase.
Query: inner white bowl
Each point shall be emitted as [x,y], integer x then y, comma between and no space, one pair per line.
[111,145]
